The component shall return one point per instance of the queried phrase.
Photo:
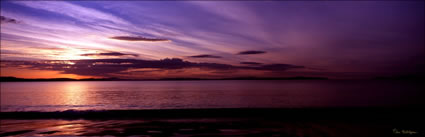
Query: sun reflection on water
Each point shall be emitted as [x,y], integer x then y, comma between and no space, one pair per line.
[75,94]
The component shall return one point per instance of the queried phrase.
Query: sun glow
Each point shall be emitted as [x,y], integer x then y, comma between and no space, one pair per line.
[70,54]
[30,73]
[74,93]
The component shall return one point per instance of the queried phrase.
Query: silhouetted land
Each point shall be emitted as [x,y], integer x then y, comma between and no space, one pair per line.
[403,77]
[14,79]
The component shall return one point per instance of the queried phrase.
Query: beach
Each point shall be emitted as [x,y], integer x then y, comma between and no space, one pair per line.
[267,122]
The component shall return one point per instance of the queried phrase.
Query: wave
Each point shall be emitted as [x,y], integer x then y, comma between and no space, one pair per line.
[286,113]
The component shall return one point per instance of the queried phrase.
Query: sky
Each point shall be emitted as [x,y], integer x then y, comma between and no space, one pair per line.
[211,39]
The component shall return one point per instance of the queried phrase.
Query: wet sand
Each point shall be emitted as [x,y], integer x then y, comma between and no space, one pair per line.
[353,122]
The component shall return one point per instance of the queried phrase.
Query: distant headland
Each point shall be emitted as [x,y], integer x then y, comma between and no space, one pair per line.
[15,79]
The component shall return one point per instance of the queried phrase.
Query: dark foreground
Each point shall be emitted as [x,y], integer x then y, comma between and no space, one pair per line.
[335,122]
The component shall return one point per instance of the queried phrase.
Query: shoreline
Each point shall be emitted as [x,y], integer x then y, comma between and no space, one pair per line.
[239,122]
[305,113]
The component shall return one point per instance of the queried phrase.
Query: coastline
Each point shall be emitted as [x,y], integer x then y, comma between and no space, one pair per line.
[14,79]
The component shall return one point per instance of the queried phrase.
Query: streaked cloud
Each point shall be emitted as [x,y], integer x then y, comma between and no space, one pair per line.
[277,67]
[251,63]
[109,54]
[10,52]
[204,56]
[249,52]
[319,35]
[72,10]
[130,38]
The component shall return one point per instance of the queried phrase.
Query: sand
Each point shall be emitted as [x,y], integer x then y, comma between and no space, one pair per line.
[353,122]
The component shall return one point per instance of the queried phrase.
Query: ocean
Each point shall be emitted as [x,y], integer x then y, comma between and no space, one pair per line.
[206,94]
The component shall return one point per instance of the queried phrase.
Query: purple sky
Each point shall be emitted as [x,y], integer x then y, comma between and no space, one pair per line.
[212,39]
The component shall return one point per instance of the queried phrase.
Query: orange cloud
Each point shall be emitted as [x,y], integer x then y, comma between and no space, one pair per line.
[33,73]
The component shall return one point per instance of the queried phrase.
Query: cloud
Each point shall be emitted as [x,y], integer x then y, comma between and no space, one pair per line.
[4,19]
[108,67]
[205,56]
[251,63]
[78,12]
[251,52]
[10,52]
[131,38]
[277,67]
[109,54]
